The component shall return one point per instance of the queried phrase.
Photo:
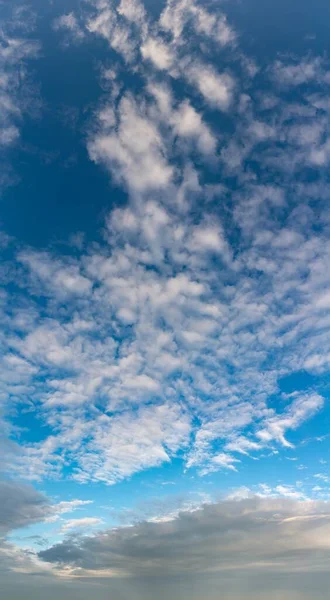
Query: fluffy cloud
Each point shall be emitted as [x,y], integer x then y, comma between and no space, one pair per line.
[188,123]
[123,26]
[216,88]
[158,53]
[63,279]
[131,443]
[165,338]
[141,165]
[179,14]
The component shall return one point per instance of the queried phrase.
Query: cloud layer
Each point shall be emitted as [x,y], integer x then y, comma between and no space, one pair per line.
[229,541]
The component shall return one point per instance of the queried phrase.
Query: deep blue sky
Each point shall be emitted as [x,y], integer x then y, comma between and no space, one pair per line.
[60,191]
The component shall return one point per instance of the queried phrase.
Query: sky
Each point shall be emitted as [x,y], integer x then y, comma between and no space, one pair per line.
[165,300]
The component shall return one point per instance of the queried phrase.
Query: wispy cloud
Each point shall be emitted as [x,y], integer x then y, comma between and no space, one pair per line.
[83,523]
[18,93]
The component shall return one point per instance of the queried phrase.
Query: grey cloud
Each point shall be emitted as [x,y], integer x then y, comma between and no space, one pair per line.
[229,539]
[20,505]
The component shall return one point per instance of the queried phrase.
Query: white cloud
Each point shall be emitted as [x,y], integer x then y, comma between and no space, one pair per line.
[209,239]
[130,442]
[225,461]
[301,409]
[66,506]
[134,11]
[16,97]
[115,30]
[70,24]
[178,14]
[9,135]
[174,16]
[62,280]
[297,74]
[288,492]
[322,477]
[217,89]
[213,25]
[134,151]
[158,52]
[243,445]
[83,523]
[188,123]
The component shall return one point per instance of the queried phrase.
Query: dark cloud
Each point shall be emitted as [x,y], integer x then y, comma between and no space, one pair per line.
[257,537]
[20,505]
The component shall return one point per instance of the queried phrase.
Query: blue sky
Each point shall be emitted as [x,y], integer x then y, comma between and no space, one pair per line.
[165,298]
